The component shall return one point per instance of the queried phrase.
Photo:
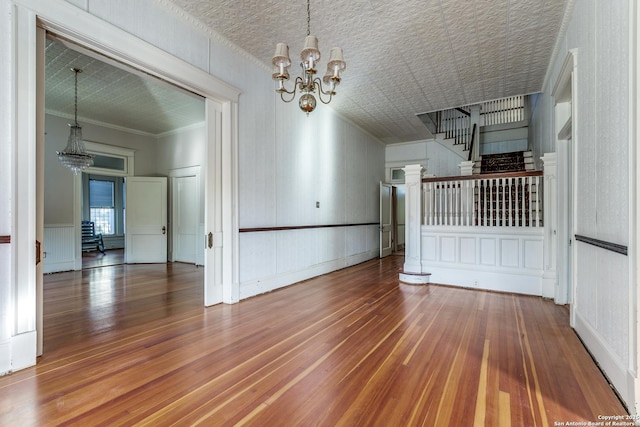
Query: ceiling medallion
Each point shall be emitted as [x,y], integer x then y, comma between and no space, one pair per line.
[308,84]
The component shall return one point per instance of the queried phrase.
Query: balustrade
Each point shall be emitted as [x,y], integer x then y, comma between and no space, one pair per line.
[500,200]
[502,111]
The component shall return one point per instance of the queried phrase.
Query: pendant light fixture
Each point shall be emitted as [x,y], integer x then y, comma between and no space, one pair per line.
[74,155]
[308,84]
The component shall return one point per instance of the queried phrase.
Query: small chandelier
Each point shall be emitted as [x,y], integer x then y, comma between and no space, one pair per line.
[307,84]
[74,155]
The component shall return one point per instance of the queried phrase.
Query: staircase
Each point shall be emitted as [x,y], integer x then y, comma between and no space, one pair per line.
[458,129]
[518,161]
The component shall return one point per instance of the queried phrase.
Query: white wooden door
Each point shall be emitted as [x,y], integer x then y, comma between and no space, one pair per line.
[386,235]
[213,259]
[187,215]
[146,220]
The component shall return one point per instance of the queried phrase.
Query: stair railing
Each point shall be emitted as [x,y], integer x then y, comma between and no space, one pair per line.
[473,137]
[455,124]
[490,200]
[502,111]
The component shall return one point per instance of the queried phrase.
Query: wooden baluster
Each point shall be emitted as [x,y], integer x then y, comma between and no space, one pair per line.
[456,198]
[529,182]
[485,212]
[472,202]
[503,203]
[523,207]
[425,203]
[440,204]
[510,208]
[450,190]
[432,202]
[537,179]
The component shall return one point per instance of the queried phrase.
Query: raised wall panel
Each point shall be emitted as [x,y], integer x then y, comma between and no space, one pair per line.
[468,250]
[429,248]
[509,253]
[487,251]
[533,254]
[448,249]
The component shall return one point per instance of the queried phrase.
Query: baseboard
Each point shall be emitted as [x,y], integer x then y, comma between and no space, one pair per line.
[261,286]
[491,281]
[57,267]
[5,357]
[613,368]
[23,350]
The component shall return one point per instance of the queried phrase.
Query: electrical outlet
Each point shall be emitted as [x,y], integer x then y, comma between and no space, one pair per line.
[317,204]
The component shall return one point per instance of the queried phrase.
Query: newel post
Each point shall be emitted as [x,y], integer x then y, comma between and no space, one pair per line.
[413,218]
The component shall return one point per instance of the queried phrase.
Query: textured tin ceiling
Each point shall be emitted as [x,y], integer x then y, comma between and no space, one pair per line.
[404,57]
[114,95]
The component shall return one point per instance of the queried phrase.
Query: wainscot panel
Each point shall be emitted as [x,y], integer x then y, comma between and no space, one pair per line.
[505,259]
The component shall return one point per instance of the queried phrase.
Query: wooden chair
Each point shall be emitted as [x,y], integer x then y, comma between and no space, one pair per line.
[90,240]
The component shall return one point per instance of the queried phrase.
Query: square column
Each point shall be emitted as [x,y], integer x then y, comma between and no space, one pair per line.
[413,218]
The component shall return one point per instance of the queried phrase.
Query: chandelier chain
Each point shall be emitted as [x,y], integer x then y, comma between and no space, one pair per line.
[308,18]
[75,112]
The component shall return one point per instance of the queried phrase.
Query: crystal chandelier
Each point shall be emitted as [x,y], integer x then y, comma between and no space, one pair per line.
[74,155]
[307,83]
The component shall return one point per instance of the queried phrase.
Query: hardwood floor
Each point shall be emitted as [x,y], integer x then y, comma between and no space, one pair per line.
[97,259]
[129,345]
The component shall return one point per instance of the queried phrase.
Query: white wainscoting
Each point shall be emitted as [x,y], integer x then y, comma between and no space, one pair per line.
[275,259]
[58,248]
[508,259]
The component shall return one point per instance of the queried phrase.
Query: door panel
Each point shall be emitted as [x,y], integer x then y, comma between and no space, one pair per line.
[146,220]
[386,237]
[187,217]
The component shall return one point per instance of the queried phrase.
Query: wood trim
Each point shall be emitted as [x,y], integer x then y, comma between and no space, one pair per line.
[466,113]
[5,239]
[484,176]
[302,227]
[614,247]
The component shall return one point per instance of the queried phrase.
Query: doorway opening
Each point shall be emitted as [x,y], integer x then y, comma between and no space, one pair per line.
[129,212]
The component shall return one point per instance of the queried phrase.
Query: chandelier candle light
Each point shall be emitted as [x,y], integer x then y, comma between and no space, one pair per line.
[308,83]
[74,155]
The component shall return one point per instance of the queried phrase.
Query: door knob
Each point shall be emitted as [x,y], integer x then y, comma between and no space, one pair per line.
[164,229]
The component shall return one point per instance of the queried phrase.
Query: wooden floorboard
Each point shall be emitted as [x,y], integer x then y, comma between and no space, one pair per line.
[132,345]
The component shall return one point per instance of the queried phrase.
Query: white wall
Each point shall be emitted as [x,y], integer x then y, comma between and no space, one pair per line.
[306,160]
[604,316]
[435,158]
[58,194]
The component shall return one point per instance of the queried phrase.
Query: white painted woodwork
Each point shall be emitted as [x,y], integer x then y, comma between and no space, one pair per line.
[413,219]
[146,220]
[549,280]
[186,219]
[508,259]
[213,281]
[483,202]
[386,220]
[58,247]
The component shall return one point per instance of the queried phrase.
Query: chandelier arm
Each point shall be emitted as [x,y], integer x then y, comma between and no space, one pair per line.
[282,91]
[321,92]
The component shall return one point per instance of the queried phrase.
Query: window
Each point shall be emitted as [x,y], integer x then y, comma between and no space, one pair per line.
[102,205]
[397,175]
